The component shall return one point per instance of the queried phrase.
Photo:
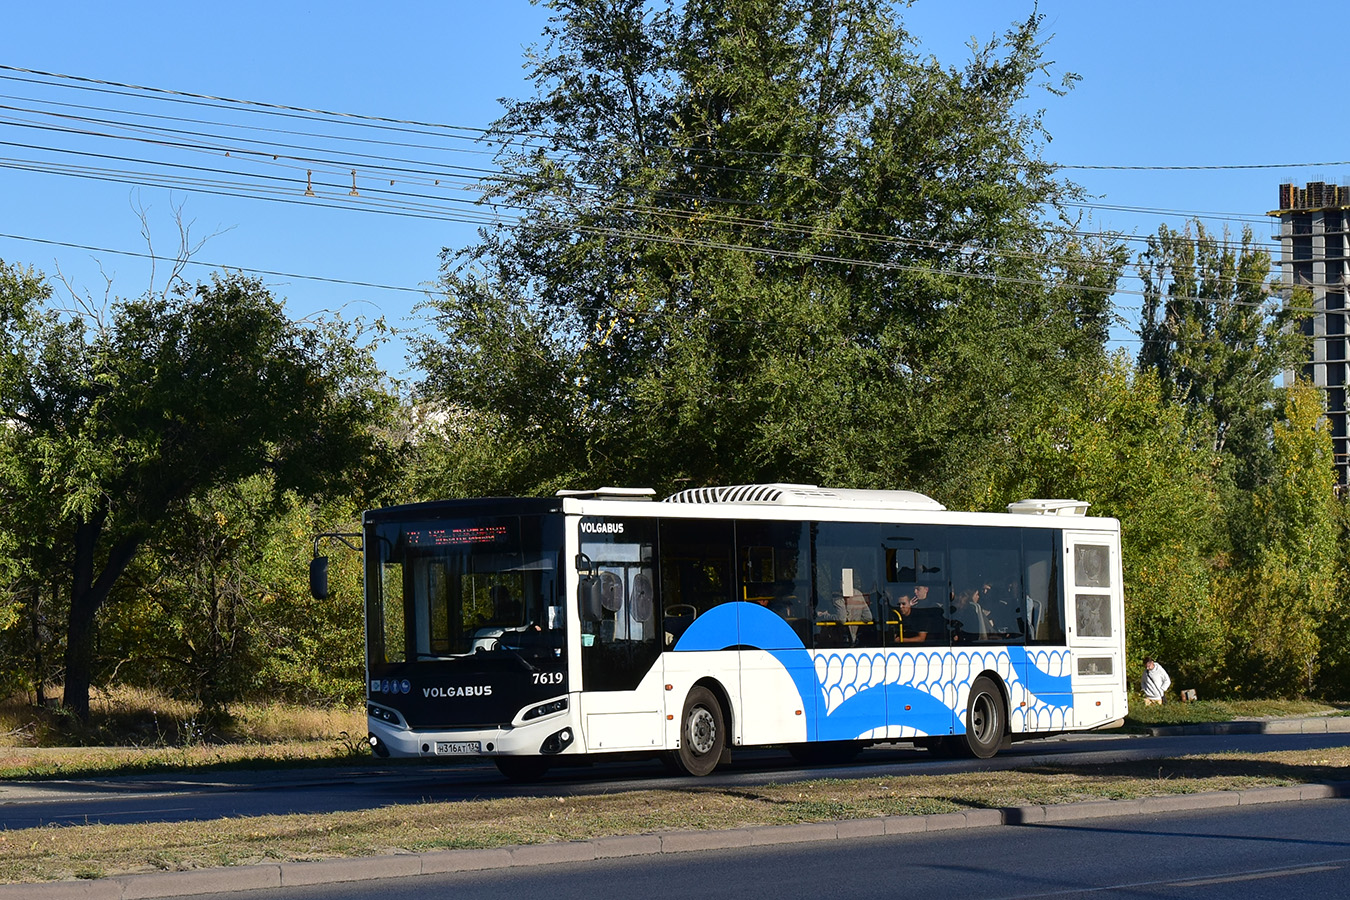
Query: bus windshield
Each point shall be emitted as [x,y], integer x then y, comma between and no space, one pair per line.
[453,588]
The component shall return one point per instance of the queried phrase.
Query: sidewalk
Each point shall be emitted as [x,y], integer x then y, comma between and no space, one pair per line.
[398,865]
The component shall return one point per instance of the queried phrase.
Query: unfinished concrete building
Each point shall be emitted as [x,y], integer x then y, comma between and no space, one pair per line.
[1315,254]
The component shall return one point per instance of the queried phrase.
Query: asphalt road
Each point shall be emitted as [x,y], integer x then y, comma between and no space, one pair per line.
[221,794]
[1277,851]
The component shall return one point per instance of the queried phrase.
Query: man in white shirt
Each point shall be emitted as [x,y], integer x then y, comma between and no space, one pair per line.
[1155,682]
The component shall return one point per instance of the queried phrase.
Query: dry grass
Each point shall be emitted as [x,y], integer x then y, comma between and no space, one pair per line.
[27,763]
[139,717]
[99,850]
[132,730]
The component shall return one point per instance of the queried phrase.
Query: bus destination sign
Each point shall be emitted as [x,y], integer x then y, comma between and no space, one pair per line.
[456,535]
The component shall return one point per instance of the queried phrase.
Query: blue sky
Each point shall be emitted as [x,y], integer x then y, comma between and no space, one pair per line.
[1199,83]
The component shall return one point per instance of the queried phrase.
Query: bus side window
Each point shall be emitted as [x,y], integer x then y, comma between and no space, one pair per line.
[850,589]
[696,571]
[988,600]
[916,589]
[1045,611]
[775,570]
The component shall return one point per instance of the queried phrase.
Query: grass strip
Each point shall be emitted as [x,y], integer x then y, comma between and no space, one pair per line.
[35,764]
[1207,711]
[91,851]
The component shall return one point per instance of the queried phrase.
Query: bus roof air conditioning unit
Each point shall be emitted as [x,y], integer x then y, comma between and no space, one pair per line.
[1049,507]
[806,495]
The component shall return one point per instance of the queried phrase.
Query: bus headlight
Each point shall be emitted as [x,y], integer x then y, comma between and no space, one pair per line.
[384,715]
[546,709]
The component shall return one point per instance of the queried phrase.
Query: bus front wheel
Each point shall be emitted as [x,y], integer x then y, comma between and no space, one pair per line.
[984,719]
[702,734]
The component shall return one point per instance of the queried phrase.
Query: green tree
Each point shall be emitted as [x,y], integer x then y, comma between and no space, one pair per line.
[217,608]
[1279,601]
[1333,633]
[762,240]
[117,424]
[1117,443]
[1218,340]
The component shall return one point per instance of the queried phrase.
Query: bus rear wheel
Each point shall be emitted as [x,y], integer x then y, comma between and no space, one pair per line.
[985,719]
[703,736]
[521,768]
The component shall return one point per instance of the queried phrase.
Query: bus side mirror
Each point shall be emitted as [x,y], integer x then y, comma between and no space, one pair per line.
[588,598]
[318,578]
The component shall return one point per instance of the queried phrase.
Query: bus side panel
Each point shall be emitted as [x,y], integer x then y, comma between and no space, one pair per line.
[851,701]
[779,715]
[683,670]
[1049,696]
[625,720]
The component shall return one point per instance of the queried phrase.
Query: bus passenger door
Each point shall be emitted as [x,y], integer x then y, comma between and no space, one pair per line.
[1095,628]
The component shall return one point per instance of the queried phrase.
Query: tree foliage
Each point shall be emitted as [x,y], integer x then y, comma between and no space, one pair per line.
[1218,339]
[1118,443]
[1277,600]
[217,609]
[116,425]
[763,241]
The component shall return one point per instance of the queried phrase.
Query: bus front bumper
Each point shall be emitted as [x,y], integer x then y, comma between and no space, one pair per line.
[551,736]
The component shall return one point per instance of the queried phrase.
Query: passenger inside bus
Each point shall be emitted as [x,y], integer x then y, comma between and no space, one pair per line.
[969,620]
[1001,604]
[909,626]
[926,622]
[847,618]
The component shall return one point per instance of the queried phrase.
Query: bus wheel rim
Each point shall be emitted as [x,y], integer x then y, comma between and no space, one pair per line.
[702,731]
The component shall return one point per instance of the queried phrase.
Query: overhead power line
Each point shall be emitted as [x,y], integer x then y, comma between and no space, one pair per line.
[419,204]
[480,134]
[1206,168]
[215,265]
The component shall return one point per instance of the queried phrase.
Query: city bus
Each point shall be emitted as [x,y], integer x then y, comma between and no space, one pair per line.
[540,631]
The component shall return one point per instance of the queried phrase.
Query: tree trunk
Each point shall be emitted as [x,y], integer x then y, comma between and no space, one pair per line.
[86,598]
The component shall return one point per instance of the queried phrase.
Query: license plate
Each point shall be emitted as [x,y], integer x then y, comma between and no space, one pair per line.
[453,748]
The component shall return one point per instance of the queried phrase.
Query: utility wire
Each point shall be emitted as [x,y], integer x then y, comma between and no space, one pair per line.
[219,266]
[658,211]
[479,133]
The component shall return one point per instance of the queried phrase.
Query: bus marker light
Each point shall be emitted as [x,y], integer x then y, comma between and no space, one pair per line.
[670,687]
[799,712]
[670,718]
[907,707]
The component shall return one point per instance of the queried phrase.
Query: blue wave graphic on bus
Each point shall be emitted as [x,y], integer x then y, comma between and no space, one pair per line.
[843,698]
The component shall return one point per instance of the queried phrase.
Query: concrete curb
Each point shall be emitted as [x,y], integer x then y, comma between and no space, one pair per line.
[398,865]
[1319,725]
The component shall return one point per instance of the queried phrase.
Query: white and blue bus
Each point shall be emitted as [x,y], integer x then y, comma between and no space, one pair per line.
[603,622]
